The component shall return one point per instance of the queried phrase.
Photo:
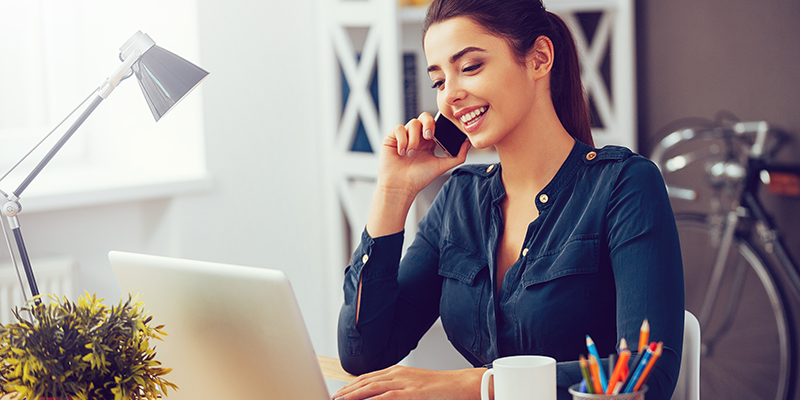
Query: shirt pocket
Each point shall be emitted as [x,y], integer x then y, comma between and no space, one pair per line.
[465,271]
[579,255]
[556,296]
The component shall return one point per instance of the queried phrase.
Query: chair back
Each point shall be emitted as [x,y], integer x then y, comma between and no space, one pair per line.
[688,386]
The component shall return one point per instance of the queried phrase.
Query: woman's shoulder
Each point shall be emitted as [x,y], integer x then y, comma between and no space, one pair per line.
[476,170]
[626,159]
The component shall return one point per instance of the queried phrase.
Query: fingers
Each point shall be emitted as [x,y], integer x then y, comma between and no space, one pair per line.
[366,386]
[414,130]
[428,125]
[408,138]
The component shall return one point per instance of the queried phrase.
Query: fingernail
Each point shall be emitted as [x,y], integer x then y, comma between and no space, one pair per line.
[402,153]
[339,398]
[411,153]
[427,134]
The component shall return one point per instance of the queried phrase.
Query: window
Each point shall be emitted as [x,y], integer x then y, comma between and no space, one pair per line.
[55,54]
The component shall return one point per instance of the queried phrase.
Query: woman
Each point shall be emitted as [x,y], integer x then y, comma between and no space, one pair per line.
[557,241]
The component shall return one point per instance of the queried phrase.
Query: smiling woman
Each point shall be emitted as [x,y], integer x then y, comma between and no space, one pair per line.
[61,52]
[558,241]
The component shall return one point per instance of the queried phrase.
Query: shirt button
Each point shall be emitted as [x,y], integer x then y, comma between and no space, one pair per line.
[543,198]
[591,155]
[524,252]
[364,259]
[491,167]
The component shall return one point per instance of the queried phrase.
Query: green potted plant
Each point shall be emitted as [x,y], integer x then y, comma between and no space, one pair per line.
[85,351]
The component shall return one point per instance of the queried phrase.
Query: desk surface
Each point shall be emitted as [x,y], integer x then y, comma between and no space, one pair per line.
[332,369]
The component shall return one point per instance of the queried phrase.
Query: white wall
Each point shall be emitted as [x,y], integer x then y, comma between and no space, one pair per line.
[262,154]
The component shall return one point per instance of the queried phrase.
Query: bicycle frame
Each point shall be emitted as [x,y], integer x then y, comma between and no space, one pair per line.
[767,234]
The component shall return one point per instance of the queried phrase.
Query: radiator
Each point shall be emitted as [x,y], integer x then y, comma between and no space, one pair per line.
[53,275]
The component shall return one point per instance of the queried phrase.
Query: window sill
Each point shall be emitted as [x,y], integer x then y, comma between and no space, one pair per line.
[58,191]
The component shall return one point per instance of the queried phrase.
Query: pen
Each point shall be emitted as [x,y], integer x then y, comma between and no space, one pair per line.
[644,335]
[594,368]
[585,373]
[611,366]
[639,368]
[646,373]
[593,351]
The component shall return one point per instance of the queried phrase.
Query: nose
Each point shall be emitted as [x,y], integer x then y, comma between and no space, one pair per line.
[453,92]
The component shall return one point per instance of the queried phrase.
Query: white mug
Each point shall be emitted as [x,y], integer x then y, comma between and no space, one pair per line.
[521,378]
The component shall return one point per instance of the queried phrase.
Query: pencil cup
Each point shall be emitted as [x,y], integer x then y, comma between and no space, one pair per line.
[577,395]
[521,378]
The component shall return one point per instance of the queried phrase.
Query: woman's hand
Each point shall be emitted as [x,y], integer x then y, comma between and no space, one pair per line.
[414,383]
[406,165]
[407,161]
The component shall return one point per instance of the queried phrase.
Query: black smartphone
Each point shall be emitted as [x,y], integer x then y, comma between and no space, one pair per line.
[447,135]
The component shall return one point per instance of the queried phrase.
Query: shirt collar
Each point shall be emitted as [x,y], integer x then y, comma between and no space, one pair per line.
[565,173]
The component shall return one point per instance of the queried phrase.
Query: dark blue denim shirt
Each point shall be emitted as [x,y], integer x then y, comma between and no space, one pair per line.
[602,256]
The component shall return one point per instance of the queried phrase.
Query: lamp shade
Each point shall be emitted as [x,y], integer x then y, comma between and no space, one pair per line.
[165,79]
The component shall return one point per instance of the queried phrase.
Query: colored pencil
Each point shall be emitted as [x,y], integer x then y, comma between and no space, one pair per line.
[623,345]
[593,351]
[586,374]
[632,366]
[644,335]
[594,368]
[649,367]
[616,375]
[637,372]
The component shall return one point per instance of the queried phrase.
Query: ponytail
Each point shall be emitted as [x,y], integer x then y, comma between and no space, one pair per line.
[566,89]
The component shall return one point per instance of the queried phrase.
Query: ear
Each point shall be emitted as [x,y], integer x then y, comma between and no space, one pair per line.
[540,58]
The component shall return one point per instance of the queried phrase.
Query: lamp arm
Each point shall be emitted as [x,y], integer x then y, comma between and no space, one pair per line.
[12,206]
[105,89]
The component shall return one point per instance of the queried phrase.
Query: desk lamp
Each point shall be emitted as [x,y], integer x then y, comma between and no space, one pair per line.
[165,79]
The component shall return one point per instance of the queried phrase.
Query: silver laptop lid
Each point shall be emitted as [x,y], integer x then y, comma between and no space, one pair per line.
[235,332]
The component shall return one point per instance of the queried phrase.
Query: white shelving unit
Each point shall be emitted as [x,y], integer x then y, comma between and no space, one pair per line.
[363,43]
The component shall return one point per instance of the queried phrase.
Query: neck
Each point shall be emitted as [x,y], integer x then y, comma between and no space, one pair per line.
[532,154]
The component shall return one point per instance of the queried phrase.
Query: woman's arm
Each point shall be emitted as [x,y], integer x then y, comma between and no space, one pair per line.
[648,271]
[388,308]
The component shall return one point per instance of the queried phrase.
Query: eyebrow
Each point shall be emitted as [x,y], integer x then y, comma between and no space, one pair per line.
[457,56]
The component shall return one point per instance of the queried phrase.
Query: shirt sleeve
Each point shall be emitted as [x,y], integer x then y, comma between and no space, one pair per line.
[399,299]
[645,256]
[644,251]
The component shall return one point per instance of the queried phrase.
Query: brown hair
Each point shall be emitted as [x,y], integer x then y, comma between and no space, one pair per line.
[520,23]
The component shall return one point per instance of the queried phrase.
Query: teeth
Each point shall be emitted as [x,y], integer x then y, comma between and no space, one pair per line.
[469,117]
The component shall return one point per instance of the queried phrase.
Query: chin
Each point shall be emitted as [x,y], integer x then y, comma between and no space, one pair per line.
[479,144]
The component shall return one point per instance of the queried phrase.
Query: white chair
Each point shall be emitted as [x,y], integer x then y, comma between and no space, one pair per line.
[688,386]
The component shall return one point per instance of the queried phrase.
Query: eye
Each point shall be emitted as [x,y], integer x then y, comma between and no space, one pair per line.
[437,85]
[472,68]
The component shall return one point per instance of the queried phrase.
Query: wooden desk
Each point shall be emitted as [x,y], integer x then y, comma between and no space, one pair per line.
[332,369]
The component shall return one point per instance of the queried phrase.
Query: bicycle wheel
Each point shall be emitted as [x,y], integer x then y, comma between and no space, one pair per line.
[746,342]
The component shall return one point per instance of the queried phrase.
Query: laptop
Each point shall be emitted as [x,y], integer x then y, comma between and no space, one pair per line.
[234,332]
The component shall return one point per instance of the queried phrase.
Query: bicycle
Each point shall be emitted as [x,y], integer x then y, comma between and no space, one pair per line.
[739,277]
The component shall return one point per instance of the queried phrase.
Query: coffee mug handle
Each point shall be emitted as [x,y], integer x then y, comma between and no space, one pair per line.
[485,383]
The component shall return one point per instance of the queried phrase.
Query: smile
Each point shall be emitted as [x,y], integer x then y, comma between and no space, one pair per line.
[472,117]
